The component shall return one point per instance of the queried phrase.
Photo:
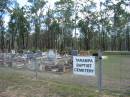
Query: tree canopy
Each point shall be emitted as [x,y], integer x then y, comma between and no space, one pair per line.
[69,24]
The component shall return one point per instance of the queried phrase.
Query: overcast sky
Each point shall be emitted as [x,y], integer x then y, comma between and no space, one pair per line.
[51,3]
[23,3]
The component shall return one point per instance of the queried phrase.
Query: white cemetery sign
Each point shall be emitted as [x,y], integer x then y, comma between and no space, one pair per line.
[84,65]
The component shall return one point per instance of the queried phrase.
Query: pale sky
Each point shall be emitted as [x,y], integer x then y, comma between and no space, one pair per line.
[51,3]
[22,2]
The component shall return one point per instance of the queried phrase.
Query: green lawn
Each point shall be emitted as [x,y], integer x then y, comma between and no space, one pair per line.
[116,73]
[117,66]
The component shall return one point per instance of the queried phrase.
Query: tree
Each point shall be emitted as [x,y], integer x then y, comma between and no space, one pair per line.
[120,21]
[64,13]
[3,9]
[18,28]
[37,6]
[87,23]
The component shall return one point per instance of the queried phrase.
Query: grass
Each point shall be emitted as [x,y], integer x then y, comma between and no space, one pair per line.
[21,83]
[15,83]
[116,73]
[117,66]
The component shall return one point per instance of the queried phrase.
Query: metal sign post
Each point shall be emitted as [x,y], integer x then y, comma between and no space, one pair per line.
[100,71]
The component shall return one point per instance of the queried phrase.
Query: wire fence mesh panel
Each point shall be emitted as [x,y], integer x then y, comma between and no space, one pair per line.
[116,73]
[115,81]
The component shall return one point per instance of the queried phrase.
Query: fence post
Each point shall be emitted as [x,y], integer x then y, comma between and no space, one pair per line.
[100,71]
[35,67]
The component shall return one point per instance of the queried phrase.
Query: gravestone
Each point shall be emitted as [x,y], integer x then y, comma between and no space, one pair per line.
[51,55]
[30,55]
[74,52]
[38,53]
[13,51]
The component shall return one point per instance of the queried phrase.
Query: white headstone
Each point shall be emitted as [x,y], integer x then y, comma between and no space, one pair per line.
[13,51]
[51,55]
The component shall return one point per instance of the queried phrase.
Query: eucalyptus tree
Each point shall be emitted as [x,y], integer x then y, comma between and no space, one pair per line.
[64,12]
[120,20]
[94,25]
[104,25]
[4,5]
[12,29]
[18,28]
[128,35]
[36,12]
[87,24]
[48,22]
[52,33]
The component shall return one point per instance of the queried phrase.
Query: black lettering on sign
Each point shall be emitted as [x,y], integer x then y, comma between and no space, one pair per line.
[84,60]
[83,70]
[88,65]
[84,65]
[86,70]
[75,69]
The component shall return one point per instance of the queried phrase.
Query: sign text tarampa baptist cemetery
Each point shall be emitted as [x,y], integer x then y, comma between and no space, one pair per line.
[84,65]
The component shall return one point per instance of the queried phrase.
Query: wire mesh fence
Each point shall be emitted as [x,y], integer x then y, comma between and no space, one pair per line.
[116,71]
